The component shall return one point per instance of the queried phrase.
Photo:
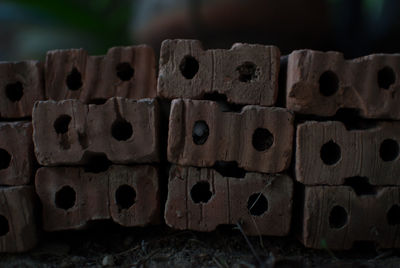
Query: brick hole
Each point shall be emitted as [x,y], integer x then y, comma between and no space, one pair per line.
[229,169]
[121,129]
[360,185]
[393,215]
[189,66]
[330,153]
[5,159]
[389,150]
[74,80]
[247,72]
[200,132]
[125,196]
[262,139]
[328,83]
[386,77]
[65,198]
[96,162]
[4,226]
[257,204]
[14,91]
[337,217]
[200,192]
[61,124]
[125,71]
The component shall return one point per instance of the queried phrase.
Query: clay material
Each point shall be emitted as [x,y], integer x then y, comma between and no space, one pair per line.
[244,74]
[124,72]
[321,83]
[72,196]
[328,153]
[21,84]
[18,227]
[121,130]
[257,138]
[202,199]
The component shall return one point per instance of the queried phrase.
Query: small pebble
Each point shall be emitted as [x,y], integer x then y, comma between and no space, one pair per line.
[108,260]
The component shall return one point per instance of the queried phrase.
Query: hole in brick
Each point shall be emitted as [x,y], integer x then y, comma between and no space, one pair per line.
[222,102]
[360,185]
[393,215]
[125,196]
[98,101]
[65,198]
[14,91]
[328,83]
[96,162]
[262,139]
[337,217]
[189,67]
[247,72]
[62,123]
[200,132]
[4,227]
[5,159]
[330,153]
[200,192]
[257,204]
[389,150]
[386,77]
[125,71]
[121,129]
[229,169]
[74,80]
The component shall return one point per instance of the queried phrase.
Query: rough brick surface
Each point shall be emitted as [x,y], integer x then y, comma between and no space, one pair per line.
[245,74]
[18,227]
[257,138]
[72,196]
[16,153]
[328,153]
[70,132]
[202,199]
[124,72]
[320,83]
[336,217]
[21,84]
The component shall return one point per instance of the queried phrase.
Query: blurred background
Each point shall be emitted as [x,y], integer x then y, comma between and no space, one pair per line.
[356,27]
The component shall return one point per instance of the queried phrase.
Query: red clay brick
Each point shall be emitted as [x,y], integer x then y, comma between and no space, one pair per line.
[21,84]
[321,83]
[245,74]
[257,138]
[328,153]
[18,226]
[124,72]
[70,132]
[335,217]
[202,199]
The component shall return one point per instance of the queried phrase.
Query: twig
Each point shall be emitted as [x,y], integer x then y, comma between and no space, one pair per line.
[250,245]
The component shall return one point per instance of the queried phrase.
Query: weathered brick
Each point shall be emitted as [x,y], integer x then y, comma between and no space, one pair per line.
[245,74]
[124,72]
[257,138]
[328,153]
[18,226]
[335,217]
[202,199]
[321,83]
[21,84]
[73,196]
[70,132]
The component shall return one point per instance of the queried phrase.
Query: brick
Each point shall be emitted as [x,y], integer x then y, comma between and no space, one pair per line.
[257,138]
[16,153]
[335,217]
[321,83]
[18,226]
[21,84]
[73,196]
[70,132]
[124,72]
[328,153]
[201,199]
[245,74]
